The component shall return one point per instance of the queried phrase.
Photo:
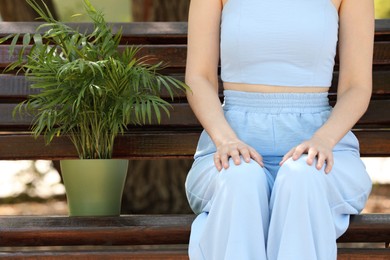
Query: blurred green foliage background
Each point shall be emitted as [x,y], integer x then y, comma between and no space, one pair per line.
[382,9]
[114,10]
[120,10]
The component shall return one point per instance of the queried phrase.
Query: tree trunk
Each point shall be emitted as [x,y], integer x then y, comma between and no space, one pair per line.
[20,11]
[160,10]
[156,187]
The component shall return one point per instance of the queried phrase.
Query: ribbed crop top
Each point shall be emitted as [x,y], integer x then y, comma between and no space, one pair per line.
[279,42]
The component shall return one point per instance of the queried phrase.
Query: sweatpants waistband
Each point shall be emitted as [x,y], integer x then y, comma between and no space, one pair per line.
[276,102]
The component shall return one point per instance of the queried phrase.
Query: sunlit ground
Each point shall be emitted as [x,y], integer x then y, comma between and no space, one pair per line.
[15,174]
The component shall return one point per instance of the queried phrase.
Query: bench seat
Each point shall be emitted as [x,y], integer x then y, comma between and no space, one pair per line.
[166,235]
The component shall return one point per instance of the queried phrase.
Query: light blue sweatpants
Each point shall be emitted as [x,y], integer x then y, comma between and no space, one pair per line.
[292,212]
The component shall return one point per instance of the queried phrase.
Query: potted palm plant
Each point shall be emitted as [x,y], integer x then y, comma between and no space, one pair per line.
[89,91]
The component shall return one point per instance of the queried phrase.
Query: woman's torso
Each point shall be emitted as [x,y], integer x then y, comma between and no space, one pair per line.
[294,42]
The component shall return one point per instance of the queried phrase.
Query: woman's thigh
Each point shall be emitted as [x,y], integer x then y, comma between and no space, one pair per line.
[204,181]
[346,187]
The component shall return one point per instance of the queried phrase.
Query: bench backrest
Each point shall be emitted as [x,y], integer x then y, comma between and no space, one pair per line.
[175,136]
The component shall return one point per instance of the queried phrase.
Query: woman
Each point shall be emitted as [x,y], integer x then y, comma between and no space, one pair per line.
[277,171]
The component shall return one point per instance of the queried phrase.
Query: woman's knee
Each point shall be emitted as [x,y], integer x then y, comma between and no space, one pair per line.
[204,182]
[243,177]
[299,174]
[299,185]
[200,183]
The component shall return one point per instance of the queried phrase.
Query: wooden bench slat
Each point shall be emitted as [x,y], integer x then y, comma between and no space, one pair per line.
[172,55]
[14,89]
[175,55]
[363,254]
[381,82]
[374,143]
[35,222]
[143,230]
[179,254]
[344,254]
[382,27]
[144,235]
[65,231]
[137,145]
[149,145]
[381,53]
[182,115]
[368,228]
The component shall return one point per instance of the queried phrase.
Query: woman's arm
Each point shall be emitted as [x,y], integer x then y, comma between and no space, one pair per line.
[202,78]
[356,38]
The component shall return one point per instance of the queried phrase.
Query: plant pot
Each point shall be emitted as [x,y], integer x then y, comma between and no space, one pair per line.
[94,187]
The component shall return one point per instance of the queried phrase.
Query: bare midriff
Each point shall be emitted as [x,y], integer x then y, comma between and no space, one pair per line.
[272,89]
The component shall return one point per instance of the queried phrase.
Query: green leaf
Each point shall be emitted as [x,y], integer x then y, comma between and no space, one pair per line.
[2,40]
[149,111]
[26,39]
[157,112]
[37,38]
[89,6]
[143,111]
[13,44]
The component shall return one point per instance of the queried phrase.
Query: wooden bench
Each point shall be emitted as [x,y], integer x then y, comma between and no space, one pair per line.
[161,236]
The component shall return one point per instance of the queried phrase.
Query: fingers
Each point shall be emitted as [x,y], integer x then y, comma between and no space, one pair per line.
[236,152]
[235,155]
[299,150]
[323,158]
[221,158]
[246,154]
[315,153]
[217,162]
[287,156]
[225,160]
[322,155]
[329,165]
[221,161]
[311,155]
[256,157]
[320,161]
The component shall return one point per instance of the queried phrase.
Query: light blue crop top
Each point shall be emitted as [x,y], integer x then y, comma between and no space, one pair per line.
[279,42]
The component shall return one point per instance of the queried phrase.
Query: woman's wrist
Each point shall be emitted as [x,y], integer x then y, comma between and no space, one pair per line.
[224,138]
[326,138]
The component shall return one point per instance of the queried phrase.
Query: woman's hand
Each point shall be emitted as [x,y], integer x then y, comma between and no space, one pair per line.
[315,148]
[235,149]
